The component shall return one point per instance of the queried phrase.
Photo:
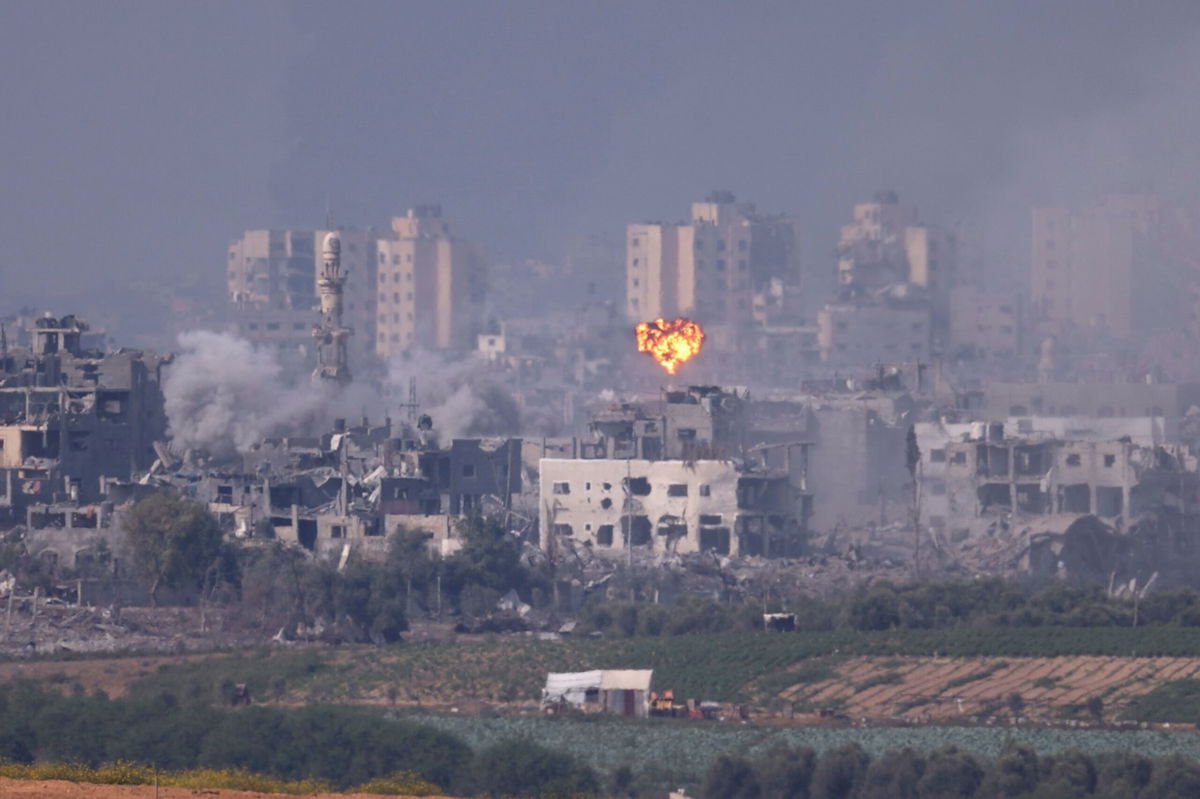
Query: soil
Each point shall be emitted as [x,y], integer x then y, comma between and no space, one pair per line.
[54,789]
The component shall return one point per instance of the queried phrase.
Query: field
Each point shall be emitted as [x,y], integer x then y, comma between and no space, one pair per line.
[680,748]
[864,675]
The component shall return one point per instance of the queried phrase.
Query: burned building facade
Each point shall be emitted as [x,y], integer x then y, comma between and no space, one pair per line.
[674,478]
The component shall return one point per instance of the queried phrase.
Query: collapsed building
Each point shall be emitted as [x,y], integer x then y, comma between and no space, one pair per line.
[351,488]
[675,477]
[72,418]
[1013,490]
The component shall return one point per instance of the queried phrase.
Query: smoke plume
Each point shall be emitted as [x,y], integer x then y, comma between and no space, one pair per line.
[223,394]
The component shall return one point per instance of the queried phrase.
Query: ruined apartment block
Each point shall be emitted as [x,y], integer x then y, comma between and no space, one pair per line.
[70,418]
[1003,476]
[666,479]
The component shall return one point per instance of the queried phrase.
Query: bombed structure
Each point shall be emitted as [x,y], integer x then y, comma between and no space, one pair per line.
[675,476]
[71,418]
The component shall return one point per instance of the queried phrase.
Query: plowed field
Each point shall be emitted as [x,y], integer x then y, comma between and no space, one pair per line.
[945,688]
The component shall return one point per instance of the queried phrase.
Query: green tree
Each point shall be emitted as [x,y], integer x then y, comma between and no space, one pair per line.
[175,541]
[949,774]
[1122,774]
[524,768]
[730,777]
[1173,778]
[785,773]
[894,775]
[840,772]
[1016,703]
[1013,773]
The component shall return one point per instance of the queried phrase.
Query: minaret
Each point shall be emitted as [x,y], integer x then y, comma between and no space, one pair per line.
[331,335]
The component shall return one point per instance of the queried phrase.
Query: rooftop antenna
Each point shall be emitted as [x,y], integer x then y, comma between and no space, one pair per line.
[3,341]
[411,406]
[328,213]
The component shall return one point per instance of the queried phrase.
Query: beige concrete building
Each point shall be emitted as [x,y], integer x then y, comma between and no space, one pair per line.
[707,269]
[983,324]
[860,335]
[430,285]
[1083,262]
[885,245]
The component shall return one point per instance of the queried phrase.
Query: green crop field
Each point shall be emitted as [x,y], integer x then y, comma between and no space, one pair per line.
[680,750]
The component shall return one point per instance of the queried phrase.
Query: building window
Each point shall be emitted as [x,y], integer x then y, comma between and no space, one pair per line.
[710,518]
[636,261]
[272,325]
[677,490]
[720,264]
[562,488]
[604,535]
[742,265]
[720,245]
[959,458]
[937,456]
[337,531]
[468,470]
[1109,460]
[635,242]
[395,296]
[705,490]
[741,245]
[253,325]
[563,530]
[396,260]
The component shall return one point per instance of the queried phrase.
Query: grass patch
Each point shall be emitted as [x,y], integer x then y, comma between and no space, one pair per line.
[1177,701]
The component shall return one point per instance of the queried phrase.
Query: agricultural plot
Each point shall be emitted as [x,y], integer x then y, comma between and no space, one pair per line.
[944,689]
[682,749]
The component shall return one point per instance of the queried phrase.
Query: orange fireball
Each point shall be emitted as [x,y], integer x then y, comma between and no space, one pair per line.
[671,343]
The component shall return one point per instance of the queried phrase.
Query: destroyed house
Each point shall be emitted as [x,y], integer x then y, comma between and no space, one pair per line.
[701,422]
[672,506]
[461,476]
[1023,476]
[70,417]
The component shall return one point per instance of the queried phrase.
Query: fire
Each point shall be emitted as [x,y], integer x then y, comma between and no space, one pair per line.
[671,343]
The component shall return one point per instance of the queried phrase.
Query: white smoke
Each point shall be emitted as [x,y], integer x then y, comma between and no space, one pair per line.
[223,394]
[457,394]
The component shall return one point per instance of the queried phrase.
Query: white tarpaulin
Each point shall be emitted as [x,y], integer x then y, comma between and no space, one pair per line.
[570,687]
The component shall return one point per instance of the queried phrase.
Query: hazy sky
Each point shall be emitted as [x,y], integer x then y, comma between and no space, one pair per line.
[139,137]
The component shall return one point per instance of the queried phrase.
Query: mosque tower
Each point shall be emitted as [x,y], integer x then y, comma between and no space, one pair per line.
[332,360]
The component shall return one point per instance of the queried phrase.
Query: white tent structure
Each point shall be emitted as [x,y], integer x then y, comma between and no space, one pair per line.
[620,692]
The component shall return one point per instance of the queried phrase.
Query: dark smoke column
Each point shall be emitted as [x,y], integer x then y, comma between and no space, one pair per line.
[332,362]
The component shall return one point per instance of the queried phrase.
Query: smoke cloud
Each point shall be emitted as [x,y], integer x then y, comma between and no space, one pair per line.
[223,395]
[457,394]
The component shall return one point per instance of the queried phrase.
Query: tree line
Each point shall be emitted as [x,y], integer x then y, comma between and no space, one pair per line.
[988,603]
[849,772]
[340,745]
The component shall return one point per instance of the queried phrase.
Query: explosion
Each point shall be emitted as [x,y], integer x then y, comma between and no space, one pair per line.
[671,343]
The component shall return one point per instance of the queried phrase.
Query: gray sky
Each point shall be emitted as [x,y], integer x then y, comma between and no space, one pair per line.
[140,136]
